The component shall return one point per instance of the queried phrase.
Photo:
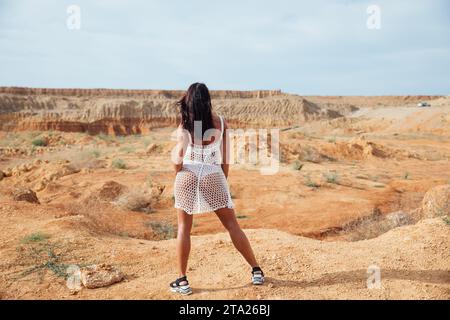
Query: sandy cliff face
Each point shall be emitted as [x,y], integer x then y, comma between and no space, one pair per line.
[138,111]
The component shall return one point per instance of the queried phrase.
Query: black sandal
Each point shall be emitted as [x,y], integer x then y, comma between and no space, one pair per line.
[183,289]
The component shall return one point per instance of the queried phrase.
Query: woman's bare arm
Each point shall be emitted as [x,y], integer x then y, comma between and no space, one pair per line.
[180,149]
[225,150]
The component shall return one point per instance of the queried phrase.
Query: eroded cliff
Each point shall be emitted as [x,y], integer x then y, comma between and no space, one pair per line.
[138,111]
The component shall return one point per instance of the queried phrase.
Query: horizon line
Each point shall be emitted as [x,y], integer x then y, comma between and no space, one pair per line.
[4,88]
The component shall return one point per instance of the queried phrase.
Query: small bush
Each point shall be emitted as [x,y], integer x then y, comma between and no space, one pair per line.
[42,256]
[96,153]
[310,183]
[163,230]
[240,216]
[297,165]
[446,219]
[331,177]
[35,237]
[39,142]
[119,164]
[406,175]
[127,149]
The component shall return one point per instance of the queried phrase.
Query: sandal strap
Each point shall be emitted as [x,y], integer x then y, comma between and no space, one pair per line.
[177,282]
[257,270]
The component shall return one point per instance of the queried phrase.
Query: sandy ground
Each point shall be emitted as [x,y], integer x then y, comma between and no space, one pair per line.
[413,260]
[376,162]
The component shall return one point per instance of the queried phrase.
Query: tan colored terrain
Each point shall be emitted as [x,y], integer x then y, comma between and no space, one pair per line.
[349,194]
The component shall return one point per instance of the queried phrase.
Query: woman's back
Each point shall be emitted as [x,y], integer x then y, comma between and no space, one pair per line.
[209,152]
[201,185]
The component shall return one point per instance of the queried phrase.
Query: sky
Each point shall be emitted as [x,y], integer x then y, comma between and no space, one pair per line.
[303,47]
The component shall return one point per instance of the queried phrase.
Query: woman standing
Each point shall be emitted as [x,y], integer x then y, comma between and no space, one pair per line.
[201,168]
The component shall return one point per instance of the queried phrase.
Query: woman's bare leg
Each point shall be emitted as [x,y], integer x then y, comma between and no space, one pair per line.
[183,241]
[240,240]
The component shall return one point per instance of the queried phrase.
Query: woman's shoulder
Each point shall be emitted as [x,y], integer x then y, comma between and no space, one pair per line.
[217,119]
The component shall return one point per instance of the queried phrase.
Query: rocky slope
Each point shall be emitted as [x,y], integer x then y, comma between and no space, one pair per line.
[138,111]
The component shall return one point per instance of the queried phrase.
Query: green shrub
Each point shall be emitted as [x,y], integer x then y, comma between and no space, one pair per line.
[119,164]
[297,165]
[310,183]
[127,149]
[96,153]
[39,142]
[446,219]
[331,177]
[35,237]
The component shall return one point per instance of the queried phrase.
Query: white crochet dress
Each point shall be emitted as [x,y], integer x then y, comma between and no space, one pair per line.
[201,185]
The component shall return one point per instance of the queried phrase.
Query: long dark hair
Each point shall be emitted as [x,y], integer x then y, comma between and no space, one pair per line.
[196,106]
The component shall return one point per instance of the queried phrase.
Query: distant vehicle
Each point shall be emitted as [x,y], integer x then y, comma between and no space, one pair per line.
[424,104]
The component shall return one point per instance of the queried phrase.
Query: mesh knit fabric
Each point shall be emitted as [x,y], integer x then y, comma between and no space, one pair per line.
[201,185]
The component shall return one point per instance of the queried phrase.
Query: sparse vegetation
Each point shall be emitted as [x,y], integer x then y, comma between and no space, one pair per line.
[96,153]
[38,257]
[241,216]
[310,183]
[331,177]
[331,139]
[118,164]
[374,224]
[121,139]
[446,219]
[127,149]
[163,230]
[35,237]
[406,175]
[105,137]
[297,165]
[39,142]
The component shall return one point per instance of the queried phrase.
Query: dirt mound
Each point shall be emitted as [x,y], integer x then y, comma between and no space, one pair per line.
[436,202]
[362,149]
[359,148]
[290,152]
[109,191]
